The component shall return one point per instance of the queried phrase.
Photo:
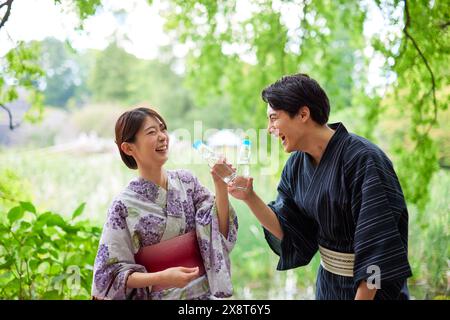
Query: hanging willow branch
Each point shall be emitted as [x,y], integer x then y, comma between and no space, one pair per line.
[8,4]
[427,65]
[12,126]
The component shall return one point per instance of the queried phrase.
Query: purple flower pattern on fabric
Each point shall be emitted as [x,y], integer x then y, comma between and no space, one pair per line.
[232,237]
[189,213]
[218,262]
[117,215]
[102,255]
[150,229]
[120,279]
[185,176]
[201,194]
[157,295]
[203,245]
[141,294]
[204,249]
[190,194]
[221,294]
[204,216]
[205,296]
[101,277]
[174,204]
[146,190]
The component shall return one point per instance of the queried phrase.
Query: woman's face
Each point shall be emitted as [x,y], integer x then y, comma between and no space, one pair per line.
[151,146]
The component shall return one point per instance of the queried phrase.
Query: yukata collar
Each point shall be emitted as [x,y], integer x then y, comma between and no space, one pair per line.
[147,189]
[340,131]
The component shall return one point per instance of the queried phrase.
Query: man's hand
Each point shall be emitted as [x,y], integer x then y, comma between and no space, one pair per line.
[241,188]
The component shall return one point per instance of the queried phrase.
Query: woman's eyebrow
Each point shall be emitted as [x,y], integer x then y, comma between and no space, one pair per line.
[151,127]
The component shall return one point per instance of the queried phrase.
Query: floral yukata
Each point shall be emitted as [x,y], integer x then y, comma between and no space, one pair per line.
[145,214]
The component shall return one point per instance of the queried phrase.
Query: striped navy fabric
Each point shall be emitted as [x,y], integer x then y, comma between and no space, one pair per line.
[352,202]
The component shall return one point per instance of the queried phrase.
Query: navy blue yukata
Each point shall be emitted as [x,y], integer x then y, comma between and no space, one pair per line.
[351,202]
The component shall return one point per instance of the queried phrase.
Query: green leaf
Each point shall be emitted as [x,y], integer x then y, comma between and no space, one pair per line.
[51,295]
[26,251]
[24,226]
[13,284]
[54,254]
[15,214]
[33,241]
[6,275]
[34,263]
[52,219]
[7,264]
[3,228]
[28,206]
[78,210]
[56,269]
[42,251]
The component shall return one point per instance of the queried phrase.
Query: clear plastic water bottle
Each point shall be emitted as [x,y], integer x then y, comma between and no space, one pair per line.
[243,164]
[244,158]
[224,171]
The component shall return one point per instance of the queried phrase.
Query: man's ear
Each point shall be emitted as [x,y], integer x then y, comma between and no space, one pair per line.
[303,113]
[127,148]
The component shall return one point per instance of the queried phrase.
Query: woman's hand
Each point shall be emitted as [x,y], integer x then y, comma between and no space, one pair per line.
[241,188]
[219,170]
[177,277]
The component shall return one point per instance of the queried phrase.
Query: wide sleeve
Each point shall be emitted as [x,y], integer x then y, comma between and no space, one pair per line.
[214,246]
[300,242]
[381,231]
[115,259]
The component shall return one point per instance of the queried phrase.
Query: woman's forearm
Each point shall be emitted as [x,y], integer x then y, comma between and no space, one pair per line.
[265,215]
[223,207]
[138,280]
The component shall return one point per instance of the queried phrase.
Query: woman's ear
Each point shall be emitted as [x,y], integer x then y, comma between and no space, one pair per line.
[127,148]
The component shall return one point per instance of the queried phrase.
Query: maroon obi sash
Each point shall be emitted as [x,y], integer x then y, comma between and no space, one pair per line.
[180,251]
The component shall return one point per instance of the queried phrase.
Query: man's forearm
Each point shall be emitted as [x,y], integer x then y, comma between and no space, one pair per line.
[364,293]
[265,215]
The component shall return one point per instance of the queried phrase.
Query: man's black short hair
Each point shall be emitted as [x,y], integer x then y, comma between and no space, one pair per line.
[290,93]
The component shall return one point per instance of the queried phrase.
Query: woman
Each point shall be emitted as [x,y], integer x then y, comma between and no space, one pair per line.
[160,205]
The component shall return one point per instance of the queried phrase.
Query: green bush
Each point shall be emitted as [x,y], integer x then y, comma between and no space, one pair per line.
[12,187]
[44,256]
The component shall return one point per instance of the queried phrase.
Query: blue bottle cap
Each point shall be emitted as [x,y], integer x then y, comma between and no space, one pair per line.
[246,142]
[197,144]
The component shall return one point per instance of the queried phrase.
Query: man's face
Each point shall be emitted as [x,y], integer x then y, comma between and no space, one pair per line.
[288,129]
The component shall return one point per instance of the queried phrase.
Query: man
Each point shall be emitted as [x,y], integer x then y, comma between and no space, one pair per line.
[338,194]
